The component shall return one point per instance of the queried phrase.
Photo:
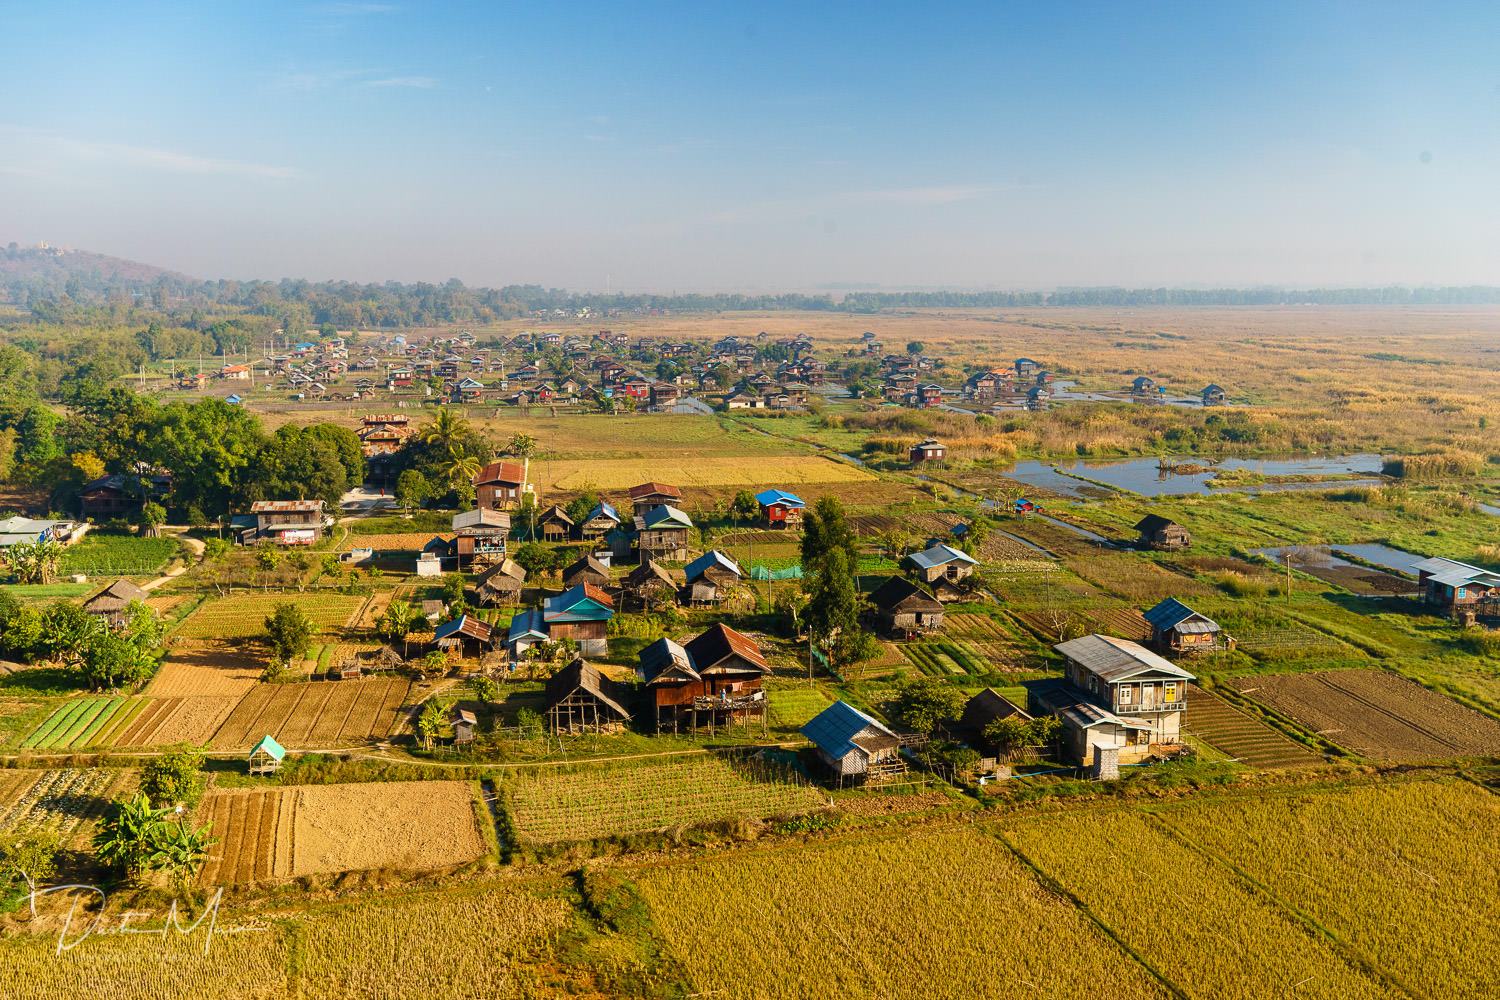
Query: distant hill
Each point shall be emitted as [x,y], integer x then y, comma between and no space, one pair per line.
[30,273]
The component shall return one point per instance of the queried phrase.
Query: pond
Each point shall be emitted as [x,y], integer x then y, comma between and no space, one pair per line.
[1371,552]
[1143,476]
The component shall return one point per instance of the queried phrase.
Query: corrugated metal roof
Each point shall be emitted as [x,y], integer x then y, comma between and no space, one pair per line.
[664,514]
[562,606]
[604,509]
[940,555]
[482,517]
[1437,564]
[768,497]
[1117,659]
[834,728]
[662,655]
[527,625]
[709,559]
[718,644]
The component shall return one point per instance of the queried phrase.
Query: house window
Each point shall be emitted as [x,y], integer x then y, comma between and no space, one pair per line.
[1125,696]
[1462,592]
[1171,694]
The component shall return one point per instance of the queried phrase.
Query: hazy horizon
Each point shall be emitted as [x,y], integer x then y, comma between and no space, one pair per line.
[683,149]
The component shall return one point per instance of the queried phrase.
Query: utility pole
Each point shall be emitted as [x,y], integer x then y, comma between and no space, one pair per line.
[1287,555]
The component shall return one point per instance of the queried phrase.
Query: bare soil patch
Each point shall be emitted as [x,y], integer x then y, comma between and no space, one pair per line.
[207,668]
[1377,713]
[414,825]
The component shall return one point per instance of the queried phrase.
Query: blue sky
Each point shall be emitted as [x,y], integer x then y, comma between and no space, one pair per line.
[756,147]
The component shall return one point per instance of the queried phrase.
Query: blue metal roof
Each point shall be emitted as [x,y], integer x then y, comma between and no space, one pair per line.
[603,508]
[834,728]
[940,555]
[767,497]
[527,625]
[708,559]
[575,604]
[446,629]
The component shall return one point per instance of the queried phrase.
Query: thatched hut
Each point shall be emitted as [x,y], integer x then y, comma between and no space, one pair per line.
[111,602]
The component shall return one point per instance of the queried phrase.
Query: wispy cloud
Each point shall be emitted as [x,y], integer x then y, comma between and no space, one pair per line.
[315,79]
[422,82]
[45,146]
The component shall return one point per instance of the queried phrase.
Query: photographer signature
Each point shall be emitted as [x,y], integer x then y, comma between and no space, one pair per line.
[130,921]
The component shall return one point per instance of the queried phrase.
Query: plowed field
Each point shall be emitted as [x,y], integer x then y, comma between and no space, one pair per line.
[1377,713]
[315,713]
[1239,735]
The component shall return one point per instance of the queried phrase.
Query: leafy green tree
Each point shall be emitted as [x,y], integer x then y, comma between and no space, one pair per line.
[411,490]
[21,629]
[535,558]
[289,631]
[915,347]
[832,613]
[521,445]
[208,446]
[67,630]
[745,504]
[453,589]
[485,689]
[927,701]
[153,516]
[345,445]
[581,506]
[824,529]
[434,664]
[30,857]
[174,779]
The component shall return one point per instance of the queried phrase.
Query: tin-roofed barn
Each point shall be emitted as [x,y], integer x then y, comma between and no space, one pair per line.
[465,635]
[601,521]
[579,698]
[663,533]
[855,747]
[648,495]
[580,613]
[479,536]
[780,508]
[1459,590]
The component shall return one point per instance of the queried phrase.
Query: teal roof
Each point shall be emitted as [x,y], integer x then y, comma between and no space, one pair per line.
[270,746]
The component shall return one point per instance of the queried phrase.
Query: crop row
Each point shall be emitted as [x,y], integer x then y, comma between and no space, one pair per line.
[946,657]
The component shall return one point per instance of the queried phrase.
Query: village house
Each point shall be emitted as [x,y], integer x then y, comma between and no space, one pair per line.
[1116,700]
[980,711]
[283,522]
[464,722]
[1177,628]
[235,373]
[117,495]
[601,521]
[586,569]
[1038,398]
[113,601]
[479,536]
[854,746]
[942,567]
[714,679]
[649,495]
[780,508]
[500,584]
[1214,395]
[663,533]
[987,385]
[1156,532]
[650,585]
[580,613]
[901,608]
[1025,368]
[465,635]
[929,450]
[744,401]
[710,577]
[1458,590]
[556,525]
[527,629]
[499,485]
[580,699]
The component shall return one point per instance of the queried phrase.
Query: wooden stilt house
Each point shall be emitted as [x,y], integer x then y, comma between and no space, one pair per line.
[579,698]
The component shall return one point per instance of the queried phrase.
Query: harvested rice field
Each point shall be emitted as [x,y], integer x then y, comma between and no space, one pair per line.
[1377,713]
[788,470]
[315,713]
[279,832]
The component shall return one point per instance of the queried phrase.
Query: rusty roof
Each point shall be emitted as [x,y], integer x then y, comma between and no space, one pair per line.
[654,489]
[501,472]
[721,642]
[285,506]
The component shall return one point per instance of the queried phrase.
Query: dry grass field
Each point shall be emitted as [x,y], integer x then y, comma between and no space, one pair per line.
[207,668]
[688,472]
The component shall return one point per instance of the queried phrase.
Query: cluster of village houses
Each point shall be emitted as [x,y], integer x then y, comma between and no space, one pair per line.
[467,373]
[1026,383]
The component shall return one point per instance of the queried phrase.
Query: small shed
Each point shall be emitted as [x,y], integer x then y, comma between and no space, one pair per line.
[266,757]
[716,568]
[1157,532]
[1038,398]
[601,521]
[466,634]
[433,608]
[1177,628]
[464,724]
[527,629]
[579,698]
[1214,395]
[853,745]
[650,584]
[386,658]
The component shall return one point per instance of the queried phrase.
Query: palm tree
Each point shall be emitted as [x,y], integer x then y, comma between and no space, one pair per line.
[521,445]
[447,428]
[461,467]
